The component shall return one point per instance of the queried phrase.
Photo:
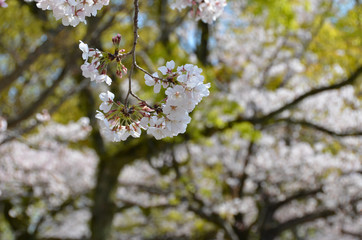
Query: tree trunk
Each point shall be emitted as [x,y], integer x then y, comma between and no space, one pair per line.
[202,50]
[103,207]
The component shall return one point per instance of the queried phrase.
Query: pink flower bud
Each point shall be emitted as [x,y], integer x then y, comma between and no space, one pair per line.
[116,40]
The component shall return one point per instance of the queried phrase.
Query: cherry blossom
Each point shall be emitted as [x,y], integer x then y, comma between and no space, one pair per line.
[168,68]
[3,3]
[182,97]
[184,90]
[72,12]
[92,70]
[206,10]
[3,124]
[43,116]
[153,81]
[96,68]
[107,99]
[86,53]
[254,173]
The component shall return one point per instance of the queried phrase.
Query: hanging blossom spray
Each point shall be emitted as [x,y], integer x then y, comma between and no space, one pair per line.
[184,89]
[72,12]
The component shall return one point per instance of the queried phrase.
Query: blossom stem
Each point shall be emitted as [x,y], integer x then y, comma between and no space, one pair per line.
[133,51]
[149,74]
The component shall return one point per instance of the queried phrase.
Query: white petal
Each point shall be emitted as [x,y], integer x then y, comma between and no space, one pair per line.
[157,87]
[105,107]
[163,69]
[149,80]
[108,80]
[170,65]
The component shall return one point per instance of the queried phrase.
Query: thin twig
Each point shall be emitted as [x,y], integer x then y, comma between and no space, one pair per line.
[133,51]
[18,133]
[149,74]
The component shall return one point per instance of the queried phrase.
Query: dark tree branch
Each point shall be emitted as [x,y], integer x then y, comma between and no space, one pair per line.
[33,107]
[147,187]
[53,212]
[202,51]
[243,176]
[128,204]
[306,45]
[44,48]
[352,234]
[216,219]
[300,220]
[298,195]
[272,59]
[166,27]
[350,80]
[273,231]
[93,30]
[313,126]
[269,116]
[18,133]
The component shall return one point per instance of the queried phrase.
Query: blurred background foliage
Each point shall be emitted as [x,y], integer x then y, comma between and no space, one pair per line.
[180,197]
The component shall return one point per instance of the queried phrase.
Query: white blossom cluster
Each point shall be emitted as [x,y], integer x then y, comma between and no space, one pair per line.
[206,10]
[184,90]
[169,119]
[182,97]
[283,170]
[69,224]
[46,164]
[91,69]
[113,127]
[141,173]
[72,132]
[45,169]
[72,12]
